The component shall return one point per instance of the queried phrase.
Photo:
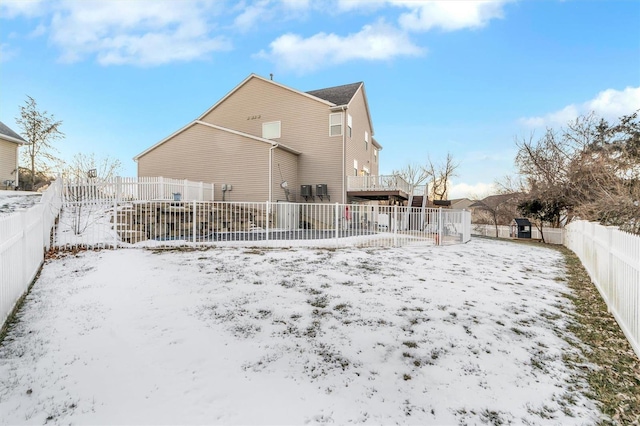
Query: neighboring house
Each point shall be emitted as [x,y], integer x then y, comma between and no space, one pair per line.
[267,141]
[461,203]
[10,142]
[498,209]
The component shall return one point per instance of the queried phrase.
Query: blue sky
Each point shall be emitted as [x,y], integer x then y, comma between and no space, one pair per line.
[465,77]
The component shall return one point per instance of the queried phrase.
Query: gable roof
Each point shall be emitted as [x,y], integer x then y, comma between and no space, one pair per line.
[7,134]
[224,129]
[338,95]
[493,201]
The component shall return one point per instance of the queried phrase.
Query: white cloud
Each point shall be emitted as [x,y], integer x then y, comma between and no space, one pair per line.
[251,15]
[350,5]
[449,15]
[296,4]
[608,104]
[374,42]
[126,32]
[30,8]
[6,52]
[38,31]
[473,191]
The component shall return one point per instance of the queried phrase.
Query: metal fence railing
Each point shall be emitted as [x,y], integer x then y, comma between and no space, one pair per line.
[201,223]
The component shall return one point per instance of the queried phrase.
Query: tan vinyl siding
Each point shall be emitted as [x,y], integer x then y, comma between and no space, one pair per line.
[8,162]
[356,149]
[304,127]
[202,153]
[286,163]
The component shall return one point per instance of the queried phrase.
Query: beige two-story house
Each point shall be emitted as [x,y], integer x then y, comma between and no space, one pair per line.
[10,142]
[266,141]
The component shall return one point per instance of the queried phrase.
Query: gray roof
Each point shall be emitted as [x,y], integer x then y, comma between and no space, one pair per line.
[339,95]
[6,131]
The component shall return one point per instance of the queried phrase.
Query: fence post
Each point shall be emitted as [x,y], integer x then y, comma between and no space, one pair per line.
[395,226]
[201,191]
[193,220]
[337,221]
[440,228]
[268,220]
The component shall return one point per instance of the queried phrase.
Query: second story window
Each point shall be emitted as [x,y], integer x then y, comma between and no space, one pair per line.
[335,124]
[271,130]
[349,125]
[375,154]
[366,140]
[355,167]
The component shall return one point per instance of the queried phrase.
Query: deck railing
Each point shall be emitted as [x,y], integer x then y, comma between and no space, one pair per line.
[137,188]
[378,183]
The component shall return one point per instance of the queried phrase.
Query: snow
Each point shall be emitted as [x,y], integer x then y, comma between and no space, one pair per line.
[418,335]
[12,201]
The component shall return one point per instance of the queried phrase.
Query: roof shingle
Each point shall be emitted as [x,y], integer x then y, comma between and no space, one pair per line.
[338,95]
[6,131]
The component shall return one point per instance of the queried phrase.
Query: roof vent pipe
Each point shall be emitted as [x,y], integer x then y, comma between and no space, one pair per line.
[271,75]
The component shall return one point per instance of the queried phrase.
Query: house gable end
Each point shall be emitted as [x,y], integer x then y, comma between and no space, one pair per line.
[255,76]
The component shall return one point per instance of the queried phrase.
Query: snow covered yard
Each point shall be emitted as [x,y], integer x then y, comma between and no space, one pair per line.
[11,201]
[466,334]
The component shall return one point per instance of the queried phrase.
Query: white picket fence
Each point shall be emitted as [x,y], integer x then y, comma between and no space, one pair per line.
[204,223]
[551,235]
[612,259]
[24,238]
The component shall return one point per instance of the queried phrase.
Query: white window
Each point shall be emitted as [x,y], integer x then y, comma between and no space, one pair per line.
[355,167]
[349,124]
[365,171]
[271,130]
[366,140]
[375,154]
[335,124]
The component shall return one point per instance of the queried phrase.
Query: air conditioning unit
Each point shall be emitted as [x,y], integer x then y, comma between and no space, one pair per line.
[321,190]
[305,190]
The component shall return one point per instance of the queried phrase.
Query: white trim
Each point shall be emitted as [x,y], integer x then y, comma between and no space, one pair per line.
[12,139]
[331,124]
[276,132]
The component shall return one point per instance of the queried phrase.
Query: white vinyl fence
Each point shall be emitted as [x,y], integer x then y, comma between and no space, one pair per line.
[551,235]
[135,189]
[612,259]
[96,223]
[24,238]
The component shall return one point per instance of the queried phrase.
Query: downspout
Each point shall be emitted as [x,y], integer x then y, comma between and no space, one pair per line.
[271,170]
[344,153]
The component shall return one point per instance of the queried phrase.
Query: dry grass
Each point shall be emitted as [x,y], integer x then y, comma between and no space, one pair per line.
[615,377]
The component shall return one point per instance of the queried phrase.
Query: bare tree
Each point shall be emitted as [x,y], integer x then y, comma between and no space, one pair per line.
[85,176]
[440,175]
[589,169]
[39,129]
[413,173]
